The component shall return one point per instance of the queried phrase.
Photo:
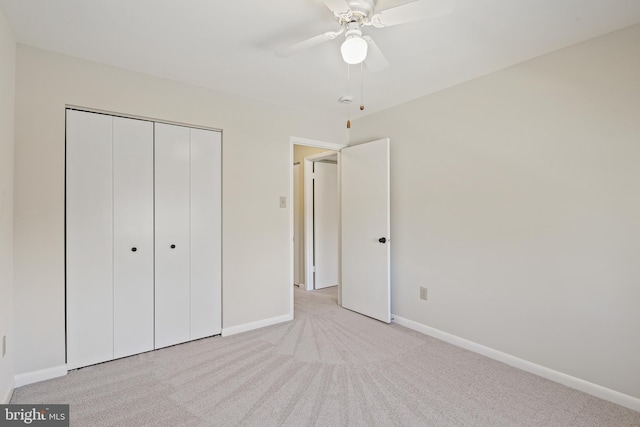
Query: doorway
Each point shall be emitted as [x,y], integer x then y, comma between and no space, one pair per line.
[316,217]
[299,149]
[364,281]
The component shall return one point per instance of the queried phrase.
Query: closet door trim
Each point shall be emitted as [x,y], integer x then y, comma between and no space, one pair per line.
[71,107]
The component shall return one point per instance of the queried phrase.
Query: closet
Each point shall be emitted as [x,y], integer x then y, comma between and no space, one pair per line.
[143,236]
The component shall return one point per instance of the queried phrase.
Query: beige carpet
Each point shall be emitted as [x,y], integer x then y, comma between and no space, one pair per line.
[328,367]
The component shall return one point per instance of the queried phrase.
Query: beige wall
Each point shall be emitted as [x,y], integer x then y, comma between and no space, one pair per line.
[302,151]
[7,91]
[516,202]
[256,144]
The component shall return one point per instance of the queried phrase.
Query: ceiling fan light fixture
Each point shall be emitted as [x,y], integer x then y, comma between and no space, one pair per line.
[354,49]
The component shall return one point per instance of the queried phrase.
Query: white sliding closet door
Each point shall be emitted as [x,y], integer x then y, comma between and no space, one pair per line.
[172,245]
[206,238]
[133,236]
[89,245]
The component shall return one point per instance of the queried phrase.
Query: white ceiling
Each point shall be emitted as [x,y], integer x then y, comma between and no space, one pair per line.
[229,45]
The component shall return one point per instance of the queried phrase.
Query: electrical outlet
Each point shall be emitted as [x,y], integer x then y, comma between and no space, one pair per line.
[423,293]
[4,345]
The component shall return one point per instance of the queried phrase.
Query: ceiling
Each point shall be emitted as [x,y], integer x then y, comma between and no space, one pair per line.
[229,45]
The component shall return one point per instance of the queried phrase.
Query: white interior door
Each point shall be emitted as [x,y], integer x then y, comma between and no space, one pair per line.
[205,233]
[89,239]
[298,226]
[172,245]
[365,229]
[132,236]
[326,218]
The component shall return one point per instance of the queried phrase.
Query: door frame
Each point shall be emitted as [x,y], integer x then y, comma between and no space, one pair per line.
[294,140]
[309,203]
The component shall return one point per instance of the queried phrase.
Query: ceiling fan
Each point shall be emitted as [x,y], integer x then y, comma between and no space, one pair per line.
[353,15]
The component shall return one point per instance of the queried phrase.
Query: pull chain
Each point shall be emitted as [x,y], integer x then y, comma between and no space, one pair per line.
[361,86]
[349,94]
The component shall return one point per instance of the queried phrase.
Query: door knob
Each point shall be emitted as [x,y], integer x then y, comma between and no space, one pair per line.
[134,249]
[173,246]
[382,240]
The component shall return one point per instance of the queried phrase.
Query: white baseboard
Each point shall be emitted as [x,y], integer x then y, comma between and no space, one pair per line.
[550,374]
[7,395]
[41,375]
[255,325]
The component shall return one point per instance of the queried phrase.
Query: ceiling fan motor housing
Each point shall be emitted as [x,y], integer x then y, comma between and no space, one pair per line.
[363,8]
[353,29]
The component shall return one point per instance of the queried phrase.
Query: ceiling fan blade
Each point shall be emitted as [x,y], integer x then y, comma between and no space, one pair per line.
[414,11]
[308,43]
[338,7]
[375,59]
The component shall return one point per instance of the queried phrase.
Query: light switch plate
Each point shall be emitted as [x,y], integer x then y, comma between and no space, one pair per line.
[283,202]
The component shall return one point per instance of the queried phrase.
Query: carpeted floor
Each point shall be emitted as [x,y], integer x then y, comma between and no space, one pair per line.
[328,367]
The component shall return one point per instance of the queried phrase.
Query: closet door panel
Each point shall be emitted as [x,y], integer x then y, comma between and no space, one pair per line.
[89,239]
[172,246]
[133,236]
[205,233]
